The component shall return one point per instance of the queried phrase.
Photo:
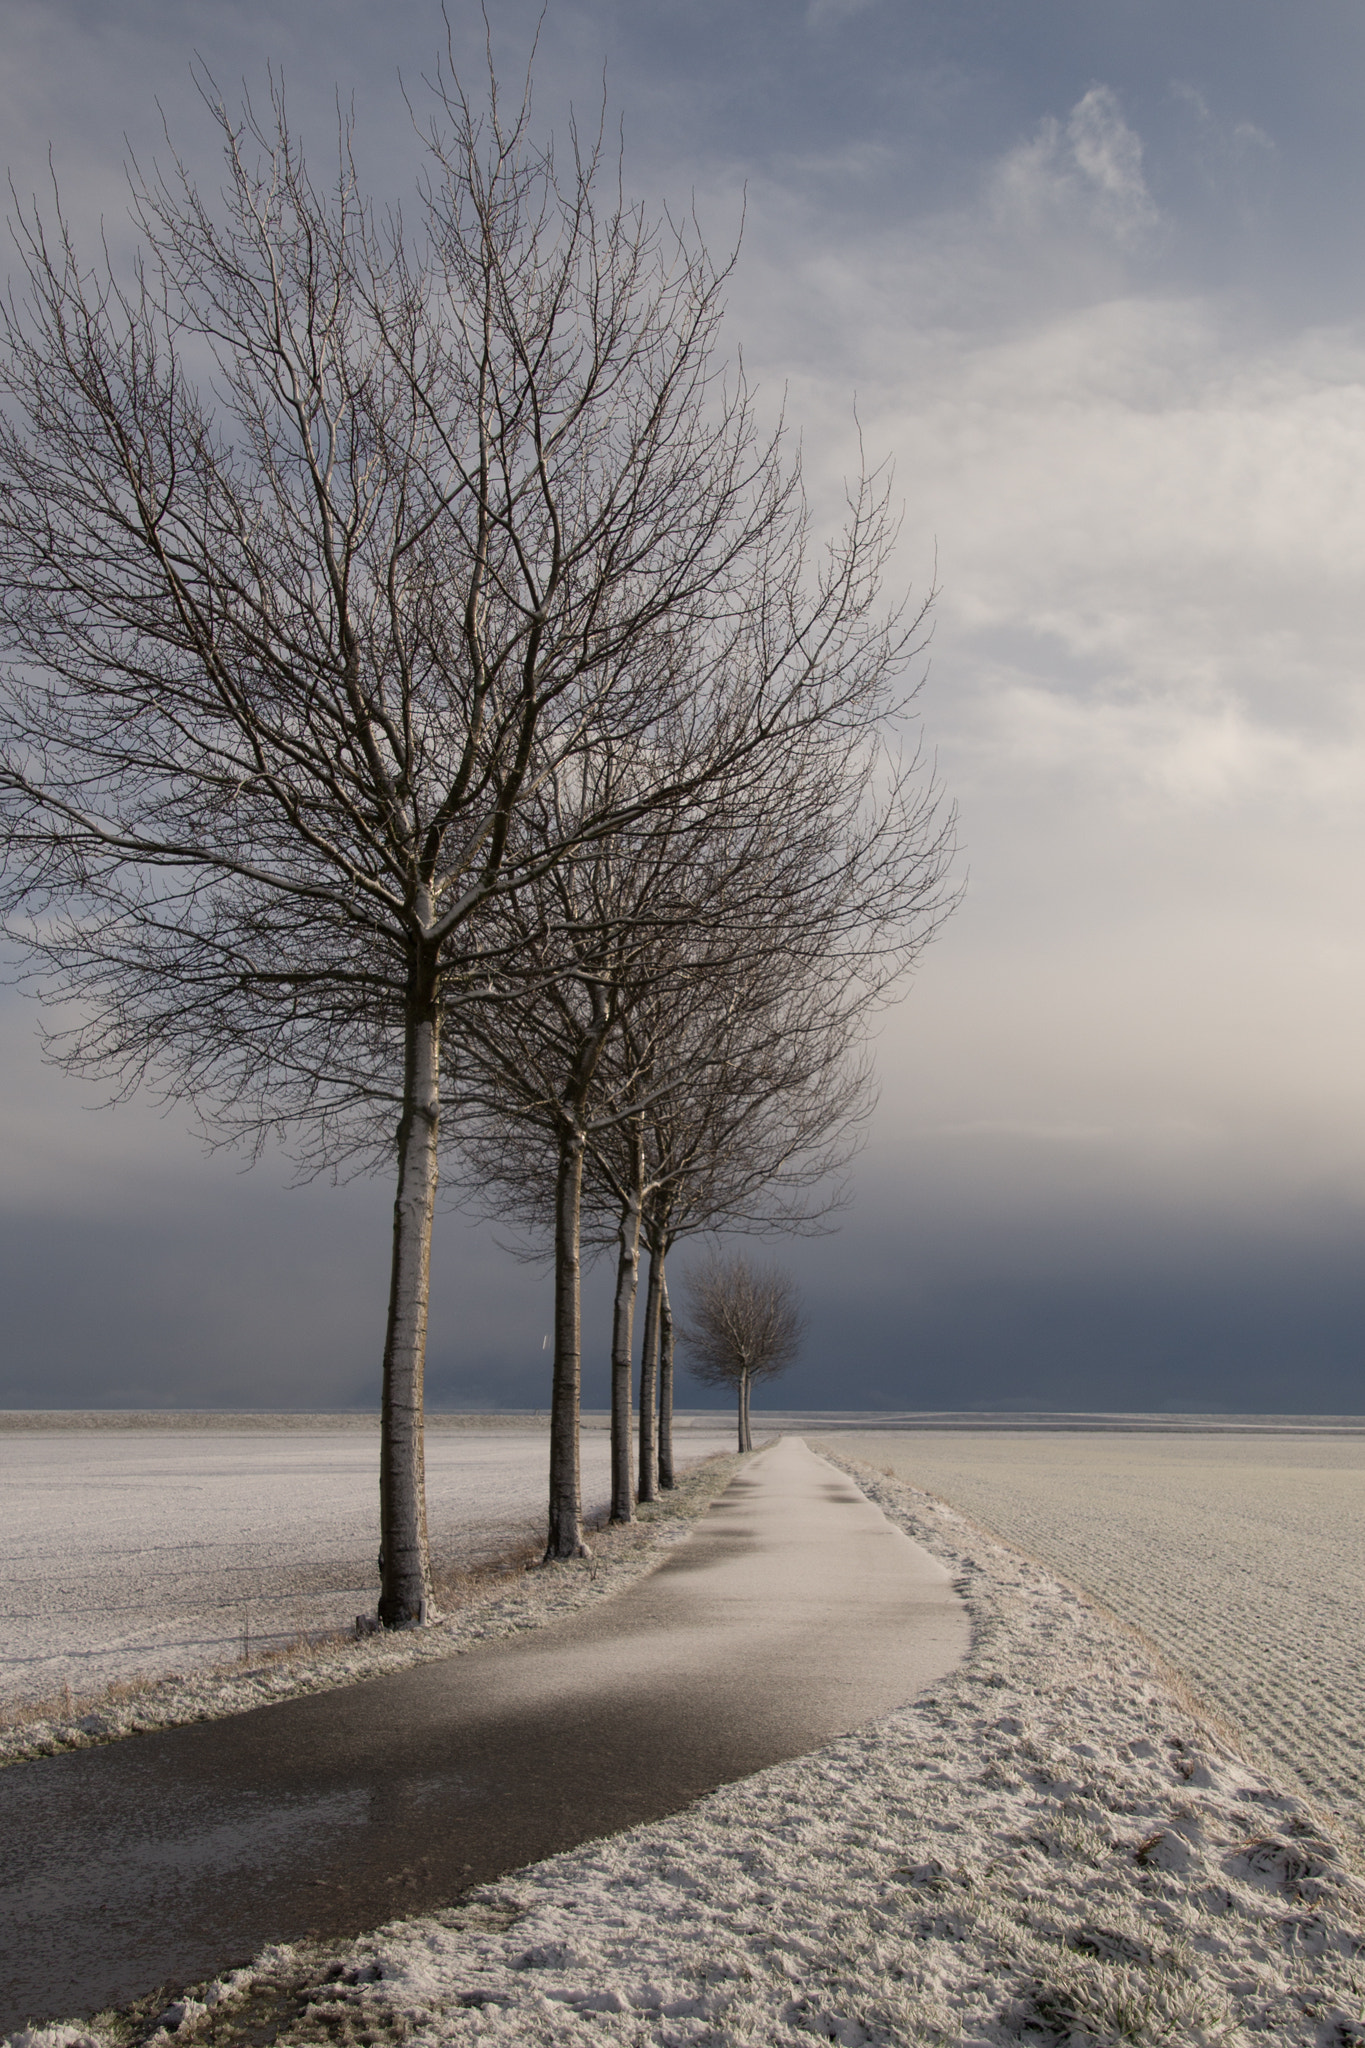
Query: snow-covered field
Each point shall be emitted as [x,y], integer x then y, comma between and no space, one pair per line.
[1242,1557]
[129,1552]
[1046,1847]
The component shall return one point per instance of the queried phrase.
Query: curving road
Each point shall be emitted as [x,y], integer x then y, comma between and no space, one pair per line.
[794,1612]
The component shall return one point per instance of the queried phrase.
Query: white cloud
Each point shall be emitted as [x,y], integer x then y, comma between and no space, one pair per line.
[1148,687]
[1107,151]
[1087,169]
[1223,141]
[1141,520]
[1127,515]
[1184,754]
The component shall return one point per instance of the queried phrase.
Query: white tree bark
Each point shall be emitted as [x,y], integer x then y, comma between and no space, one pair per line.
[746,1442]
[565,1537]
[405,1599]
[666,1479]
[649,1379]
[623,1341]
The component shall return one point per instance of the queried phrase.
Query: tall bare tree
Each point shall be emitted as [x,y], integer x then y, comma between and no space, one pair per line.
[756,1140]
[563,1074]
[754,1133]
[322,550]
[743,1323]
[686,1000]
[553,1070]
[699,980]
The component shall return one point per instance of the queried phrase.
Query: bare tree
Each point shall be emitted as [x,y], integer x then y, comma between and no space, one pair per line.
[554,1070]
[750,1083]
[742,1324]
[757,1141]
[605,954]
[321,553]
[756,1132]
[691,1038]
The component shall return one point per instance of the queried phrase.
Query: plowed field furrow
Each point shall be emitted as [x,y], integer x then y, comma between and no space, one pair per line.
[1242,1559]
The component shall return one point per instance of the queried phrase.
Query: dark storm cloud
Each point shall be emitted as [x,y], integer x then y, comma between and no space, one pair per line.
[1120,1308]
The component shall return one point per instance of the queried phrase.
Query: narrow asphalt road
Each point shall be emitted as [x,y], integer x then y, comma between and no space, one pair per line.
[793,1612]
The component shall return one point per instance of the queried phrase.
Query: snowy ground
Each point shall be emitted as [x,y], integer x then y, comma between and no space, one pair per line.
[131,1552]
[1241,1553]
[1047,1847]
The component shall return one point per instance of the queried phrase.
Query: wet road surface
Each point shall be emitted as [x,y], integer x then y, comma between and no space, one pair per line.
[793,1612]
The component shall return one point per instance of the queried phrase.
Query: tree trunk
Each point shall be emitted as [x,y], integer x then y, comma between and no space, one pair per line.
[649,1372]
[746,1442]
[566,1534]
[665,1383]
[405,1598]
[623,1345]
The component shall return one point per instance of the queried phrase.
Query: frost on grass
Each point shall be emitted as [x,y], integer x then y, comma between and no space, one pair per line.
[481,1605]
[1046,1848]
[128,1553]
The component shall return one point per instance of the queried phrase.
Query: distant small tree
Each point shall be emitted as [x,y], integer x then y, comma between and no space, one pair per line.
[742,1323]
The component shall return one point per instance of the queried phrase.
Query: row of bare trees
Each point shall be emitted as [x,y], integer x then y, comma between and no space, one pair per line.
[681,1048]
[426,730]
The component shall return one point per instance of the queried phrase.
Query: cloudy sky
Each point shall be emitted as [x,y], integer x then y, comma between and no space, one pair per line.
[1092,273]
